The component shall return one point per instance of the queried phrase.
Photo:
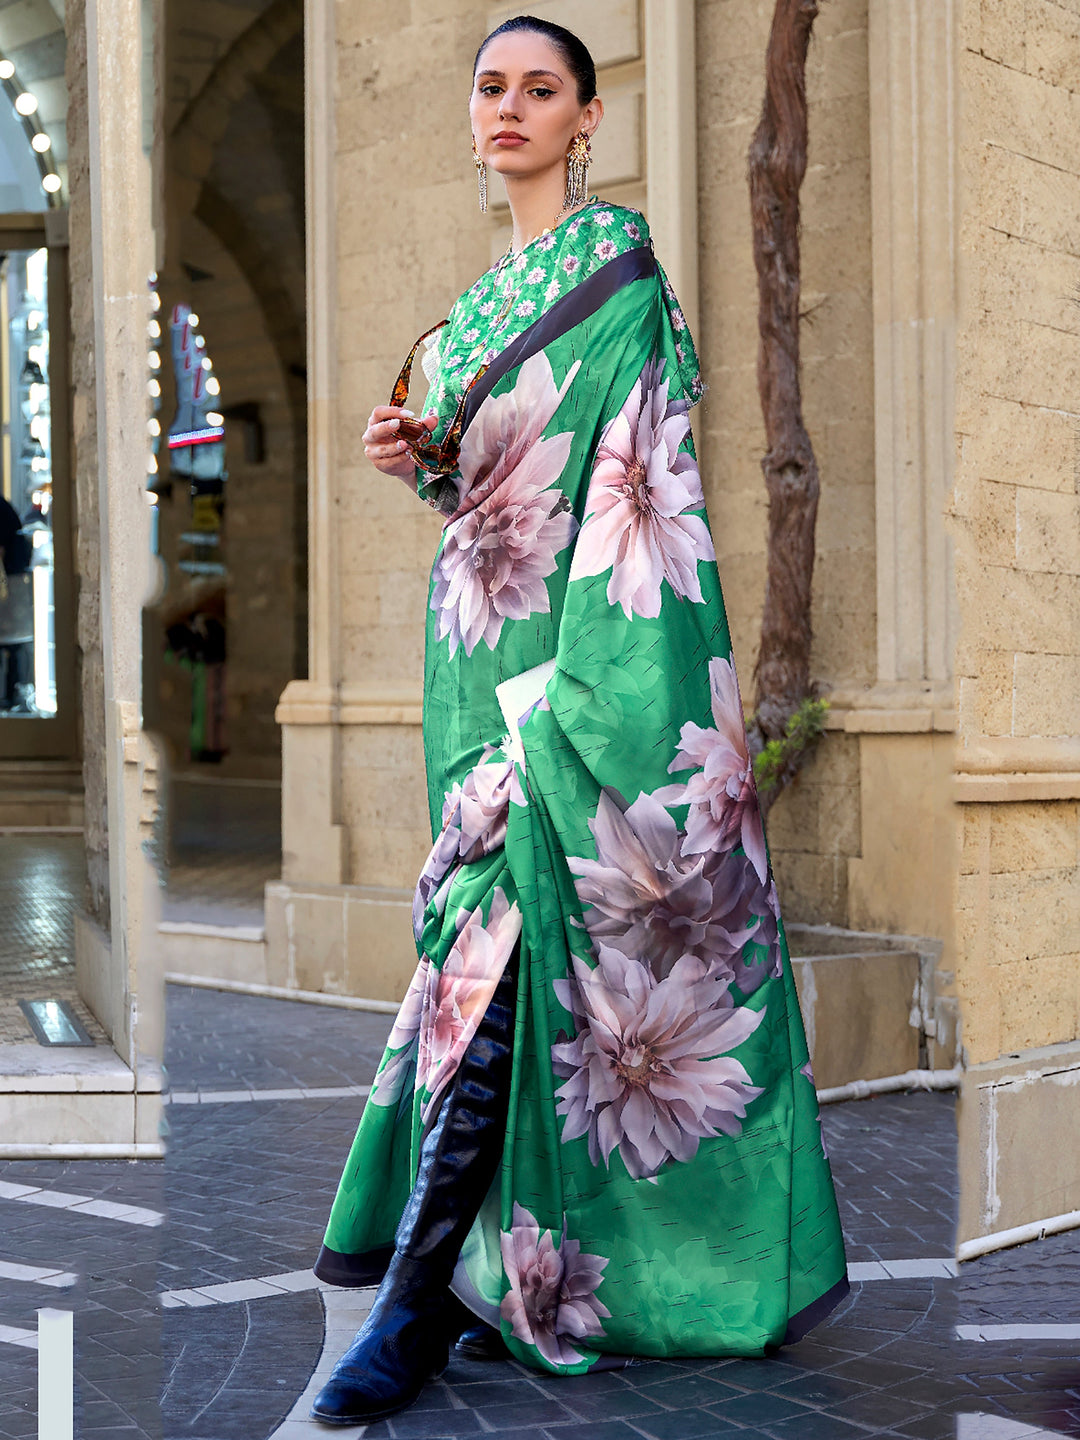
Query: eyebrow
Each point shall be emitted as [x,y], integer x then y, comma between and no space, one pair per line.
[529,75]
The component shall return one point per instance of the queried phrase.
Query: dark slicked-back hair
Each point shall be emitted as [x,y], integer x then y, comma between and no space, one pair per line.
[574,52]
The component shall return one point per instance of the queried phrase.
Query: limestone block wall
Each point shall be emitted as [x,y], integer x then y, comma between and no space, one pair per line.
[1016,519]
[1017,527]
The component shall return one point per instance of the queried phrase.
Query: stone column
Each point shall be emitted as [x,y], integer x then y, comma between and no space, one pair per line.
[899,880]
[112,241]
[394,235]
[671,123]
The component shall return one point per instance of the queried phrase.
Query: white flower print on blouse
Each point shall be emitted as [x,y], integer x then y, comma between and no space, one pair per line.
[606,249]
[552,290]
[632,230]
[603,217]
[535,275]
[571,264]
[546,241]
[526,307]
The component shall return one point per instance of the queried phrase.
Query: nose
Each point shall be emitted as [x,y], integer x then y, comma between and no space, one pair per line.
[508,106]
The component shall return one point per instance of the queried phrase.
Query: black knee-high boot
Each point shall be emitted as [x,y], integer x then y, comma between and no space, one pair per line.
[405,1339]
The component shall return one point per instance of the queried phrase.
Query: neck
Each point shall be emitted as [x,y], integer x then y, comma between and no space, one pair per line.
[536,202]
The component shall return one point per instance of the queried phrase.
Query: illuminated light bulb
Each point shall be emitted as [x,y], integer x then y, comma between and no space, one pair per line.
[51,183]
[26,103]
[36,353]
[154,360]
[7,69]
[151,465]
[154,426]
[39,462]
[193,320]
[214,417]
[155,300]
[33,320]
[151,496]
[213,386]
[207,363]
[153,388]
[200,343]
[41,142]
[154,330]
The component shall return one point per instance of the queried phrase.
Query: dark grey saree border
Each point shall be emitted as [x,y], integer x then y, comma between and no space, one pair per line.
[584,300]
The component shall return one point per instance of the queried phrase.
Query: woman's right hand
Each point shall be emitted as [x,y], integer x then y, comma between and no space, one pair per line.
[383,447]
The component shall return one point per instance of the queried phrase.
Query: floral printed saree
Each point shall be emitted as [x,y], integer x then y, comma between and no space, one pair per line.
[664,1189]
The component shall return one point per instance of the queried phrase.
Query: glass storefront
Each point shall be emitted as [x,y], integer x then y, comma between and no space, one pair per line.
[28,670]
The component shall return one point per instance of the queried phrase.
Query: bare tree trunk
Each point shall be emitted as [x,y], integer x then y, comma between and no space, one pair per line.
[776,164]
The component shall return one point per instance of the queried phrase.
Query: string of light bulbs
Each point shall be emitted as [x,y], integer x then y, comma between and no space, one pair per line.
[26,106]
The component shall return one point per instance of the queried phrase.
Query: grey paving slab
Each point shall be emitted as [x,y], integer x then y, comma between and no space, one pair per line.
[219,1041]
[246,1189]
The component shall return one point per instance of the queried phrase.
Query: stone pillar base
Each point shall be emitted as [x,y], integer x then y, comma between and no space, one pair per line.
[1019,1158]
[340,939]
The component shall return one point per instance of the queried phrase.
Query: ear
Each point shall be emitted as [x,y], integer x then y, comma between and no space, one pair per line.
[592,114]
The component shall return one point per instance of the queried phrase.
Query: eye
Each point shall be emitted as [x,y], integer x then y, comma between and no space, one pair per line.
[542,91]
[489,89]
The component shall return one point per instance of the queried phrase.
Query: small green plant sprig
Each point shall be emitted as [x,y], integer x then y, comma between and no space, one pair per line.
[778,761]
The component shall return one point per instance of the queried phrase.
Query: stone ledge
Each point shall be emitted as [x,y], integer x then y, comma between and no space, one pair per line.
[68,1070]
[1012,787]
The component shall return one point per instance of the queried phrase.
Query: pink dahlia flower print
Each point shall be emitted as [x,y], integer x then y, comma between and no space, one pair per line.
[389,1082]
[478,808]
[474,818]
[642,489]
[457,994]
[648,1073]
[552,1302]
[721,794]
[497,554]
[642,896]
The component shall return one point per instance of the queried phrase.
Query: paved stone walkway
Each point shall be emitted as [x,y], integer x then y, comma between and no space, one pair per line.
[245,1190]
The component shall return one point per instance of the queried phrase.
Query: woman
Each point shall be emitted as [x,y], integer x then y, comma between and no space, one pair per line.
[595,1122]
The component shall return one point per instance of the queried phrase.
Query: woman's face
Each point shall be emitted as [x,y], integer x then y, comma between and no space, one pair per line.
[524,105]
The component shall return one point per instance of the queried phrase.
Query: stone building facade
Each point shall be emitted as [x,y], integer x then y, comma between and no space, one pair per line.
[927,857]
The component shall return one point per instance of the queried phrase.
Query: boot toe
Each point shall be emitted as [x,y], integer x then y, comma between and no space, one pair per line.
[345,1402]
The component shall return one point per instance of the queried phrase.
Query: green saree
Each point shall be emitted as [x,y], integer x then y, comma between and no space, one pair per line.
[664,1189]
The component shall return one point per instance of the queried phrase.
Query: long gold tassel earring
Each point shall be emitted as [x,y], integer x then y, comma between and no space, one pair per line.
[578,160]
[481,176]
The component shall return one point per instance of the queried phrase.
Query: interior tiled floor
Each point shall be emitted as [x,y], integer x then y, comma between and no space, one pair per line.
[41,885]
[224,845]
